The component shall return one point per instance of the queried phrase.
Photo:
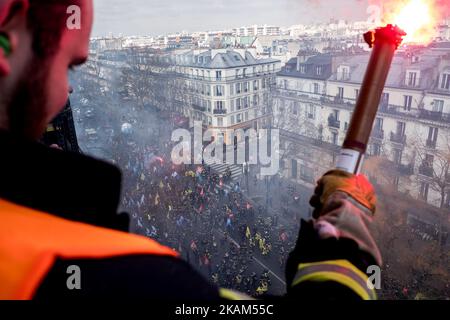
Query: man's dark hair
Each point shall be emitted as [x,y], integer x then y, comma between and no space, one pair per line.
[47,20]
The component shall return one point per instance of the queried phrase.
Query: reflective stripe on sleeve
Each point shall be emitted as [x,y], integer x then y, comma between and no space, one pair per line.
[341,271]
[233,295]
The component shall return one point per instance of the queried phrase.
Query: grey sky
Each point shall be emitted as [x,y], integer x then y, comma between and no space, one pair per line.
[153,17]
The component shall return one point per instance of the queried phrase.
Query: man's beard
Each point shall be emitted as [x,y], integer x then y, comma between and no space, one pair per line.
[27,107]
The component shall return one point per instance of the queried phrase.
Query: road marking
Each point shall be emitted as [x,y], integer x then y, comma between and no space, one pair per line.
[270,271]
[259,262]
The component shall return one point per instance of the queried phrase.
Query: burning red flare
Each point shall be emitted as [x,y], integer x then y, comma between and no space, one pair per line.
[418,18]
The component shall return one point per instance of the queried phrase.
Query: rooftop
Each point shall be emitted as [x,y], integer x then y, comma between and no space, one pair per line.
[428,61]
[224,59]
[324,61]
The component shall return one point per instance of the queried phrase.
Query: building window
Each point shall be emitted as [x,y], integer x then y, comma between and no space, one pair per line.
[238,88]
[246,116]
[255,100]
[343,73]
[232,120]
[294,169]
[445,83]
[396,181]
[423,192]
[411,79]
[246,86]
[232,105]
[400,133]
[255,85]
[218,75]
[281,106]
[428,161]
[295,108]
[376,149]
[340,95]
[237,73]
[238,104]
[447,201]
[384,100]
[311,112]
[246,101]
[231,89]
[379,124]
[219,91]
[239,118]
[335,115]
[438,106]
[219,105]
[209,105]
[432,137]
[407,103]
[334,137]
[316,88]
[302,69]
[319,70]
[397,156]
[306,174]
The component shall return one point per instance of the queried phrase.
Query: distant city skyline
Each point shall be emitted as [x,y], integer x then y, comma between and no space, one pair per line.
[155,17]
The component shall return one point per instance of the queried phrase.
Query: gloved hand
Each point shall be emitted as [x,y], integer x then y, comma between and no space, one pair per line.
[344,205]
[356,186]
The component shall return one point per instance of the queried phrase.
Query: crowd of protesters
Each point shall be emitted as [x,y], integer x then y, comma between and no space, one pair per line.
[205,216]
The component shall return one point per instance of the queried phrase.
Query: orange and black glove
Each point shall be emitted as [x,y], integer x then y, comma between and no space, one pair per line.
[356,186]
[344,205]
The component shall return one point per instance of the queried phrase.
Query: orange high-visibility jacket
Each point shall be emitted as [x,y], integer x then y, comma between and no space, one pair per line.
[31,241]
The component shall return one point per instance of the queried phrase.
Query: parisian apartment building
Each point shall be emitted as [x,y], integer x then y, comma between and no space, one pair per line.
[226,89]
[313,105]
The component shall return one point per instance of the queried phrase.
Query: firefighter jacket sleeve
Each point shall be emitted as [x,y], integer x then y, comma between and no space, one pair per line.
[335,249]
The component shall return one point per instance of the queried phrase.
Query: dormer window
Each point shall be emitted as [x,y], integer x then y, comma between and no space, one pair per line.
[302,69]
[319,70]
[412,78]
[344,73]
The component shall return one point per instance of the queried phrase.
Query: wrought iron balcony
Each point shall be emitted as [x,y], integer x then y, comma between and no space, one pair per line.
[431,144]
[405,169]
[426,170]
[433,115]
[398,138]
[333,123]
[378,134]
[199,108]
[220,111]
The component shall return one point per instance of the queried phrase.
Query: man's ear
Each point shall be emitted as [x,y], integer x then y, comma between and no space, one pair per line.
[4,52]
[13,20]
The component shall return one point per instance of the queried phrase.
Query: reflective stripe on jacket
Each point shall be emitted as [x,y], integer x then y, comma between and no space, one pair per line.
[31,241]
[340,271]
